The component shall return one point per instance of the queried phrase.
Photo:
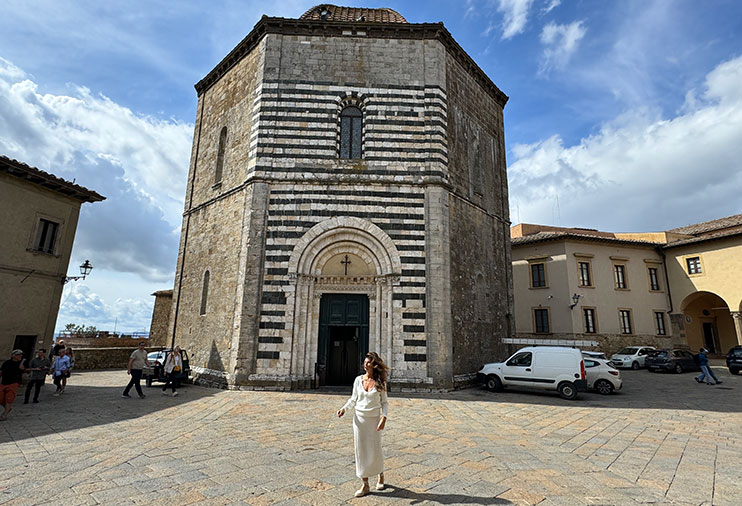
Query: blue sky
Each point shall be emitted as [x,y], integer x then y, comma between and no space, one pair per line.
[623,115]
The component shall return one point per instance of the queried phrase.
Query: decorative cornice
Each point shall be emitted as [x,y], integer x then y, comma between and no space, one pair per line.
[284,26]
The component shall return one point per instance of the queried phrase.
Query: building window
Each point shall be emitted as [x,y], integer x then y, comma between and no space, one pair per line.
[624,315]
[654,280]
[220,156]
[659,320]
[46,236]
[204,292]
[619,272]
[694,265]
[350,132]
[589,318]
[541,320]
[584,273]
[538,275]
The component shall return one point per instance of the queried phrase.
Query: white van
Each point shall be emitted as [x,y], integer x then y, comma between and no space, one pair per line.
[542,367]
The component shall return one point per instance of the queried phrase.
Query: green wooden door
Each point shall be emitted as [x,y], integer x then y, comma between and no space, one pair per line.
[343,337]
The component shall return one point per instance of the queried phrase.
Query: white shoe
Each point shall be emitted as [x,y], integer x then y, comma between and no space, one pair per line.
[164,392]
[362,491]
[379,486]
[175,394]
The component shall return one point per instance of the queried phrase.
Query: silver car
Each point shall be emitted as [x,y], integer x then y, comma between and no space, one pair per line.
[631,356]
[602,376]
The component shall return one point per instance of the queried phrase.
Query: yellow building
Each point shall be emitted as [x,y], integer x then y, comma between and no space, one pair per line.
[605,290]
[39,219]
[705,273]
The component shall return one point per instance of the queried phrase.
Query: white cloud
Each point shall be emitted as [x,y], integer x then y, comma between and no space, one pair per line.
[515,16]
[553,4]
[640,171]
[561,42]
[138,162]
[81,305]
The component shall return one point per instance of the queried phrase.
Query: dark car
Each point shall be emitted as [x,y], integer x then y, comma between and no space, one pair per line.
[734,360]
[672,360]
[156,369]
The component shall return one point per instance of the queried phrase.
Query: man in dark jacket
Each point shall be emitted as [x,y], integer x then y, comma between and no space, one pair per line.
[706,372]
[39,367]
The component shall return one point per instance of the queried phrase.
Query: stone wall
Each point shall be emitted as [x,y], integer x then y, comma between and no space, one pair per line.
[104,342]
[103,358]
[606,343]
[158,331]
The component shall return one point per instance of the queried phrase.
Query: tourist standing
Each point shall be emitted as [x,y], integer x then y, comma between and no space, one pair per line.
[706,372]
[57,347]
[10,377]
[39,367]
[173,368]
[68,373]
[60,367]
[370,403]
[137,362]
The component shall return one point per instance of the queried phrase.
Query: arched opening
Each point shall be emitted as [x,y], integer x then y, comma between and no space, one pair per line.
[351,130]
[708,322]
[218,172]
[204,293]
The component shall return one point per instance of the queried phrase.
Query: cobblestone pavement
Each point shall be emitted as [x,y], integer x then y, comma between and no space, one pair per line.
[662,439]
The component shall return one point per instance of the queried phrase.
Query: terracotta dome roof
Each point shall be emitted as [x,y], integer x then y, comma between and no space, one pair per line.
[353,14]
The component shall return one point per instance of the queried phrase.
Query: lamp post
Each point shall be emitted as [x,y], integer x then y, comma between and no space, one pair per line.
[575,300]
[85,269]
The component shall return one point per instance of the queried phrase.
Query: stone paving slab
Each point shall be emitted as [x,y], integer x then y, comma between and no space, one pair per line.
[662,440]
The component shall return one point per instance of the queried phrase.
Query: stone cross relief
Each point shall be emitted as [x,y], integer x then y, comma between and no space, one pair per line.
[346,263]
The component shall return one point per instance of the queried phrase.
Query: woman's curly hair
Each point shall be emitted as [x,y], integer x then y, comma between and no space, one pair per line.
[381,371]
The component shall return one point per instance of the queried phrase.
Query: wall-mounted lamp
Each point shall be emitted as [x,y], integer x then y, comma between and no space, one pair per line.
[85,269]
[575,300]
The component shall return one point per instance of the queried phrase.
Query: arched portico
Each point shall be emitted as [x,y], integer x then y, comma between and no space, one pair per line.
[708,322]
[340,255]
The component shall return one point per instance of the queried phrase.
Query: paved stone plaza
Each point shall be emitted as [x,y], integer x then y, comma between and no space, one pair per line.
[662,440]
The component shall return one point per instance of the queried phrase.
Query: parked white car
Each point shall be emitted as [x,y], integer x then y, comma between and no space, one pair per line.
[594,354]
[540,367]
[602,376]
[631,356]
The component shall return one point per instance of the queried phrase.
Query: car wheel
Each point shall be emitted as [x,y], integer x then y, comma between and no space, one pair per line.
[493,383]
[148,381]
[635,365]
[567,390]
[678,368]
[604,387]
[733,371]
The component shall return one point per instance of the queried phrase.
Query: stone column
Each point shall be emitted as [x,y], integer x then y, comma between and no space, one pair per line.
[737,317]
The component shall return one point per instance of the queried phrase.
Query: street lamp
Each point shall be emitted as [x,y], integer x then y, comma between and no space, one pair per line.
[575,300]
[85,269]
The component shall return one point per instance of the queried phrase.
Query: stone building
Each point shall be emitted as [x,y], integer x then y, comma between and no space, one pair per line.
[677,288]
[161,312]
[347,192]
[39,220]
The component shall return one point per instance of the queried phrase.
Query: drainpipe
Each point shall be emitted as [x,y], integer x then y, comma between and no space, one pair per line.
[667,279]
[188,220]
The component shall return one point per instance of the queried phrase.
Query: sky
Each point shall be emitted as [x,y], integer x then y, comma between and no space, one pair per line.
[623,116]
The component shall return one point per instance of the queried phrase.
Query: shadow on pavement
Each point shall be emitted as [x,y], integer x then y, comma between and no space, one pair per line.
[419,497]
[86,405]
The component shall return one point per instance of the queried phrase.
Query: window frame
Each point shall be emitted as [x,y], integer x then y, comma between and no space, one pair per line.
[584,319]
[589,271]
[545,279]
[351,132]
[622,284]
[621,328]
[657,278]
[659,316]
[700,266]
[535,320]
[34,239]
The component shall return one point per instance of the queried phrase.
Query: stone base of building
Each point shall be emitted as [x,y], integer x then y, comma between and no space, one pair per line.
[606,343]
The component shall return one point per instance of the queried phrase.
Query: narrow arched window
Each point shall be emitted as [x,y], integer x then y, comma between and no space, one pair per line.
[350,132]
[220,155]
[204,292]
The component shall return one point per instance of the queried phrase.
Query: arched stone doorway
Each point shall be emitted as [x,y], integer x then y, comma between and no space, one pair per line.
[708,322]
[345,260]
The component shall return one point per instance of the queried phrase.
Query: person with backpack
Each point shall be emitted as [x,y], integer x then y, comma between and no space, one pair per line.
[706,372]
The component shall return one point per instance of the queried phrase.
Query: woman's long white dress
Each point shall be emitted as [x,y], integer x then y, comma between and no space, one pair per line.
[368,409]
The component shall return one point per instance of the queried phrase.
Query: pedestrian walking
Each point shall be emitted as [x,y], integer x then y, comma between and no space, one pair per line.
[370,410]
[68,373]
[706,372]
[137,362]
[173,369]
[10,377]
[58,346]
[59,367]
[39,367]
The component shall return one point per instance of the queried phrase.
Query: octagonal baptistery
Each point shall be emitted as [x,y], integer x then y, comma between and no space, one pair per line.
[347,193]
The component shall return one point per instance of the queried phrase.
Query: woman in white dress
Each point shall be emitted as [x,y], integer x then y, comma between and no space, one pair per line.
[369,401]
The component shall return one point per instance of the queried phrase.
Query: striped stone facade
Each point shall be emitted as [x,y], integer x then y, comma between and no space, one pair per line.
[272,211]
